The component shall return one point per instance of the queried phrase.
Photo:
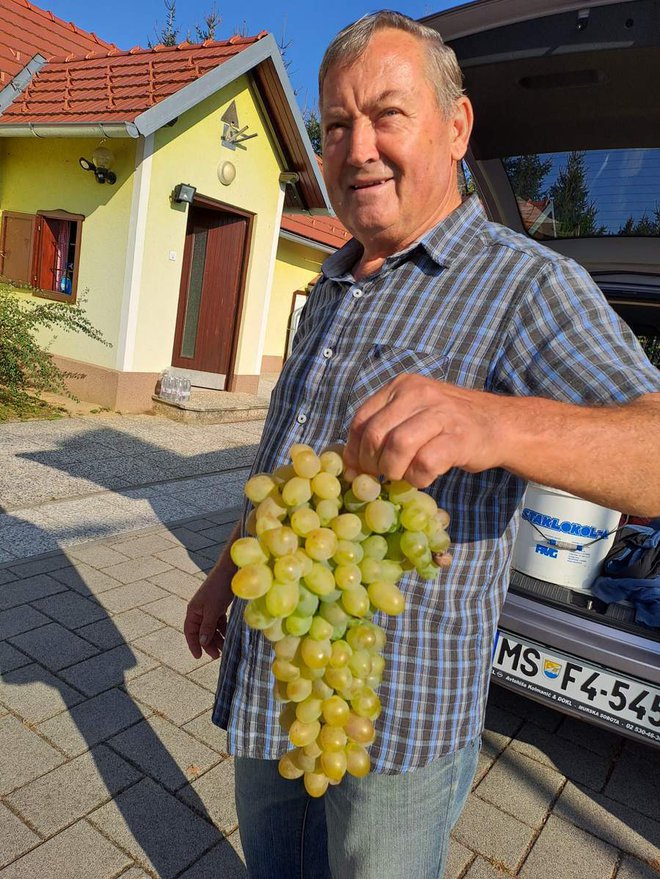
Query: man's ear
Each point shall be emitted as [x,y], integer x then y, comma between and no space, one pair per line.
[462,121]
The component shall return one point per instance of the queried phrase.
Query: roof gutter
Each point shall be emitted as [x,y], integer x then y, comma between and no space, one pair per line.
[20,82]
[308,242]
[93,129]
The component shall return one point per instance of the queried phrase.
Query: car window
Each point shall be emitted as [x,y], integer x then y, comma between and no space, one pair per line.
[587,193]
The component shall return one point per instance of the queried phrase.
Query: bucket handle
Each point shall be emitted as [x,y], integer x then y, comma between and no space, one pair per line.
[576,547]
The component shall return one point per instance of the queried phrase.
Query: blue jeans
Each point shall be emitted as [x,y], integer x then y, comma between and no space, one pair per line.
[378,827]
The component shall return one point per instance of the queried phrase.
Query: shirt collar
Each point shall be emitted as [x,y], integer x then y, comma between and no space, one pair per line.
[444,243]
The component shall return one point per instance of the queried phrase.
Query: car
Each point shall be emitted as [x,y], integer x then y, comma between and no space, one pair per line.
[566,149]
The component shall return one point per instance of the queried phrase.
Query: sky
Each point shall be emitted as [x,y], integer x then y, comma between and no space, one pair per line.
[306,26]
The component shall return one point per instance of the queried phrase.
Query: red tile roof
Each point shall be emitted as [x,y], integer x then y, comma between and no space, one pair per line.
[324,230]
[114,86]
[26,30]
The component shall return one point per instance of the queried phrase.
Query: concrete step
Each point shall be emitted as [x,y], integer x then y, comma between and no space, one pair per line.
[213,407]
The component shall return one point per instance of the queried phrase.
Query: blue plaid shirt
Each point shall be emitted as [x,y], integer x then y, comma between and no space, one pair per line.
[478,305]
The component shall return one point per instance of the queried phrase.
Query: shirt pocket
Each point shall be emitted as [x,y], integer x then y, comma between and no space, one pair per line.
[382,365]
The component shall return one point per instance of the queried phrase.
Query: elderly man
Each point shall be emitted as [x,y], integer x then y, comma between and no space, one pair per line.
[463,357]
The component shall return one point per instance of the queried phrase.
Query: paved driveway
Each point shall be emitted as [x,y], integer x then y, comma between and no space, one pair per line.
[109,764]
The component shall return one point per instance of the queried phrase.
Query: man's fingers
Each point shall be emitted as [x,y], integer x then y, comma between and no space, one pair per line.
[191,631]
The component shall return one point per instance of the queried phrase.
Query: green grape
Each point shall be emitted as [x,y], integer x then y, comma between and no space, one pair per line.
[429,571]
[307,602]
[425,502]
[346,526]
[306,563]
[358,761]
[413,544]
[326,486]
[331,462]
[348,553]
[313,750]
[375,547]
[287,716]
[297,690]
[394,552]
[265,523]
[331,597]
[443,517]
[377,665]
[311,674]
[437,536]
[339,679]
[283,474]
[338,632]
[251,523]
[256,616]
[321,544]
[362,636]
[281,541]
[310,709]
[366,487]
[332,738]
[341,653]
[351,503]
[258,487]
[315,654]
[355,601]
[386,597]
[336,711]
[301,734]
[302,759]
[413,517]
[359,663]
[296,491]
[288,568]
[279,690]
[359,729]
[366,703]
[285,670]
[321,689]
[380,516]
[247,551]
[327,510]
[390,571]
[371,570]
[288,769]
[271,506]
[400,492]
[287,647]
[282,598]
[321,629]
[333,613]
[297,448]
[274,632]
[297,624]
[348,576]
[306,463]
[333,764]
[252,581]
[316,783]
[320,579]
[304,520]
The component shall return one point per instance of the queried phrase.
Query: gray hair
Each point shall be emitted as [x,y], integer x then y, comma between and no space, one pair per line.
[443,71]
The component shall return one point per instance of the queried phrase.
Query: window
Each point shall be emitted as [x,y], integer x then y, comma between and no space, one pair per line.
[42,250]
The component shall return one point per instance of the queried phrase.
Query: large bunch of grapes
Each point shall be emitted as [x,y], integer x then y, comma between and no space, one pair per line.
[325,555]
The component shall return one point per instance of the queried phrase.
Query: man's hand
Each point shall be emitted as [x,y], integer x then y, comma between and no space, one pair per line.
[206,617]
[417,428]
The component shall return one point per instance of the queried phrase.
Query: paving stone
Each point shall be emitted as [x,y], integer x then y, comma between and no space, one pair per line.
[508,700]
[10,658]
[522,787]
[589,736]
[499,728]
[214,792]
[96,554]
[177,582]
[166,753]
[108,669]
[86,580]
[192,539]
[631,868]
[120,629]
[566,852]
[458,857]
[20,619]
[492,833]
[170,610]
[181,558]
[573,761]
[70,609]
[225,861]
[24,756]
[7,576]
[123,598]
[219,533]
[91,722]
[206,676]
[158,830]
[54,646]
[169,646]
[206,731]
[137,569]
[482,869]
[484,764]
[35,694]
[137,547]
[135,873]
[212,552]
[15,837]
[86,853]
[24,591]
[193,525]
[634,782]
[71,791]
[47,564]
[170,694]
[613,822]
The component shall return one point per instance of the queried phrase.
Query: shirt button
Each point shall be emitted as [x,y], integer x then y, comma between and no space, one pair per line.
[357,294]
[302,418]
[327,352]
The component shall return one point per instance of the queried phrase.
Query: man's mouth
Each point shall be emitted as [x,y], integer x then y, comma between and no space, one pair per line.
[369,184]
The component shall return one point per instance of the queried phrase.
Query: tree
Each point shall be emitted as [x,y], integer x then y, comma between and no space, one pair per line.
[645,226]
[575,214]
[207,31]
[313,126]
[526,175]
[168,35]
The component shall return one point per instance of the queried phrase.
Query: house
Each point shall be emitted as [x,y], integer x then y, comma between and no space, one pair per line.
[151,184]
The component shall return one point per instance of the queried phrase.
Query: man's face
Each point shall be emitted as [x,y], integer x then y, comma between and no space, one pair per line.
[389,155]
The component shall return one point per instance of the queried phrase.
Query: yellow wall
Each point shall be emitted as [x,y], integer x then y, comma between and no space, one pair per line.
[190,151]
[44,174]
[296,266]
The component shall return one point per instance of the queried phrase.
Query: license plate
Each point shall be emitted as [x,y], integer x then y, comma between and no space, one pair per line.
[568,682]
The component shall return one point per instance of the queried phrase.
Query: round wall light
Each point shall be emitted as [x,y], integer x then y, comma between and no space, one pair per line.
[226,173]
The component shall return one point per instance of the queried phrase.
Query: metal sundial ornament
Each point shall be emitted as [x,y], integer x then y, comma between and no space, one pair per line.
[233,135]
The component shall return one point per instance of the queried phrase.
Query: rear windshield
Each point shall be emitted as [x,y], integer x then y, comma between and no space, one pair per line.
[587,193]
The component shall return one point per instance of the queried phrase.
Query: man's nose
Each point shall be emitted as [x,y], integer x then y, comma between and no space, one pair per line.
[362,146]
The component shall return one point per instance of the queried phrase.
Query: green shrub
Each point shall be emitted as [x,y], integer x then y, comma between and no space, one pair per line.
[26,368]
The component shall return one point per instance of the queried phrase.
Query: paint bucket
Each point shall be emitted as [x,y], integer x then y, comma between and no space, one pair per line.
[562,539]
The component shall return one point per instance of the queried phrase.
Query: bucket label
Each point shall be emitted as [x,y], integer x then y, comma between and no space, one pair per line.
[575,529]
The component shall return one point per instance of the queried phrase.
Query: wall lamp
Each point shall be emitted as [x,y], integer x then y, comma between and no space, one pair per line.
[289,178]
[183,193]
[102,160]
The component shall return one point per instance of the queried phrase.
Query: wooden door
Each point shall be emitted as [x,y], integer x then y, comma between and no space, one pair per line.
[212,277]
